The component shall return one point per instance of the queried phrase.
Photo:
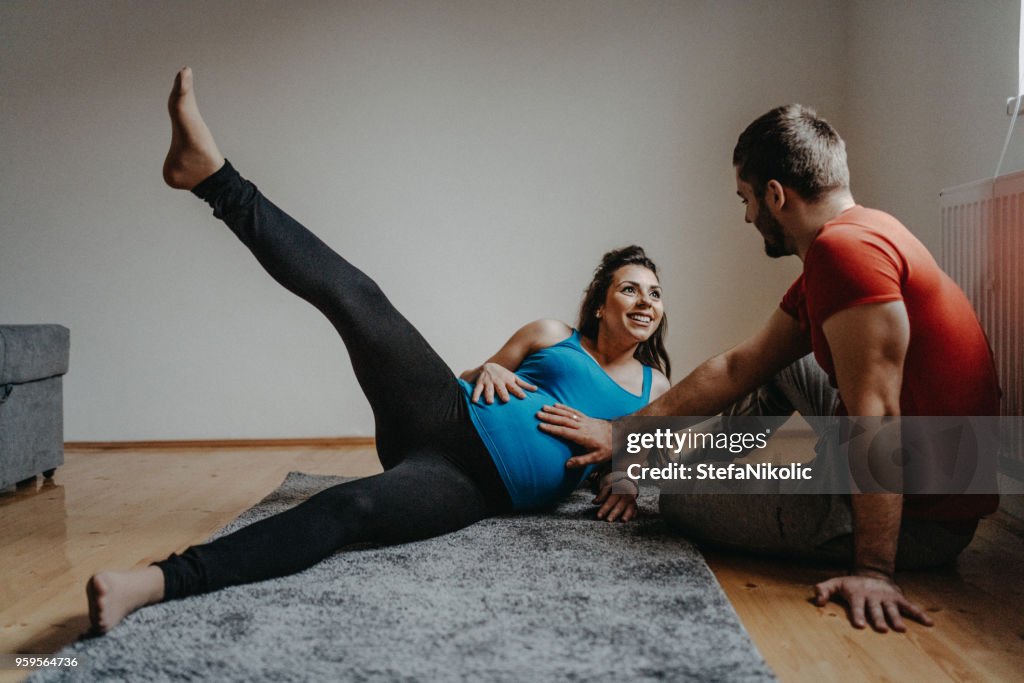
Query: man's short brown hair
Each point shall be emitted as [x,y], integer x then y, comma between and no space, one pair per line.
[792,145]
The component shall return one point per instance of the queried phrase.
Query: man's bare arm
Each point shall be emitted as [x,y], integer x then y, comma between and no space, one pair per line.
[720,381]
[869,344]
[714,385]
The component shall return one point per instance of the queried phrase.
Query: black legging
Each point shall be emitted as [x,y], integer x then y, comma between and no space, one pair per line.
[438,474]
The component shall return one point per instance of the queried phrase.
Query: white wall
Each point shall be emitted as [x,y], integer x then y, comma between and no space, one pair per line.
[475,158]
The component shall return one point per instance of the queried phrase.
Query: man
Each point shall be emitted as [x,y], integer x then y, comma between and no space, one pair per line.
[892,333]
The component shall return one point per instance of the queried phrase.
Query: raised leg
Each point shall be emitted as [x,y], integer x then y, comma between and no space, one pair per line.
[414,394]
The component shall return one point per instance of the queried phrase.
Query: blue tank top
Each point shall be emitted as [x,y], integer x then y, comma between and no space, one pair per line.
[530,462]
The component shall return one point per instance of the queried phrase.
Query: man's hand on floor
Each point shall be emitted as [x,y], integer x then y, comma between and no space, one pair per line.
[871,598]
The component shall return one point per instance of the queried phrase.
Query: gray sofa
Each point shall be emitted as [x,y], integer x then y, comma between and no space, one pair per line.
[33,359]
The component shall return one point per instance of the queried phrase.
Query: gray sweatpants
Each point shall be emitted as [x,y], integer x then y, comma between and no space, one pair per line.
[808,526]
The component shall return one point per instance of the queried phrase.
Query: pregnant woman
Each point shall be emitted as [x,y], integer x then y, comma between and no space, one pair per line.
[452,455]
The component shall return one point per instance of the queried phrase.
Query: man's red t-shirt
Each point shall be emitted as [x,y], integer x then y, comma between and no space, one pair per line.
[864,256]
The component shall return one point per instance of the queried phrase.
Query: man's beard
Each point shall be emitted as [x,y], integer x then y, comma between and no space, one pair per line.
[771,231]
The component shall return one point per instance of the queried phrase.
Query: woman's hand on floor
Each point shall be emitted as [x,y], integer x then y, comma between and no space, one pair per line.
[496,379]
[572,425]
[615,506]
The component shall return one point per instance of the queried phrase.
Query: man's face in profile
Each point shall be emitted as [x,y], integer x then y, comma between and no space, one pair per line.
[757,213]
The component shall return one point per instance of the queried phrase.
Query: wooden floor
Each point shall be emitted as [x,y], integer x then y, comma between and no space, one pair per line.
[119,508]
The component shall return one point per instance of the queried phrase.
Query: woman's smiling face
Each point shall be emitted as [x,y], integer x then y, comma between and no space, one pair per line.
[633,304]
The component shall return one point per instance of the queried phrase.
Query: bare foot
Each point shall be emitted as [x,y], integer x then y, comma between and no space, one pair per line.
[193,155]
[115,595]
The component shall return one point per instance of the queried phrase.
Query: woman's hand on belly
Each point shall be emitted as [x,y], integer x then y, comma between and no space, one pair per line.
[496,379]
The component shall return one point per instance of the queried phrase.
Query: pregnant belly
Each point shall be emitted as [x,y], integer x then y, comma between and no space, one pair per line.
[531,463]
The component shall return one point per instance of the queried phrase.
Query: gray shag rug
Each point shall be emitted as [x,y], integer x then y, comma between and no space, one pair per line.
[538,597]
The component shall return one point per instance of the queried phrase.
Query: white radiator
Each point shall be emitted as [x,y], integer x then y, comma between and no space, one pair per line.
[983,250]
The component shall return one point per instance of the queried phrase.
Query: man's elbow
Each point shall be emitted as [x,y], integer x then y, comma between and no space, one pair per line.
[871,404]
[743,371]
